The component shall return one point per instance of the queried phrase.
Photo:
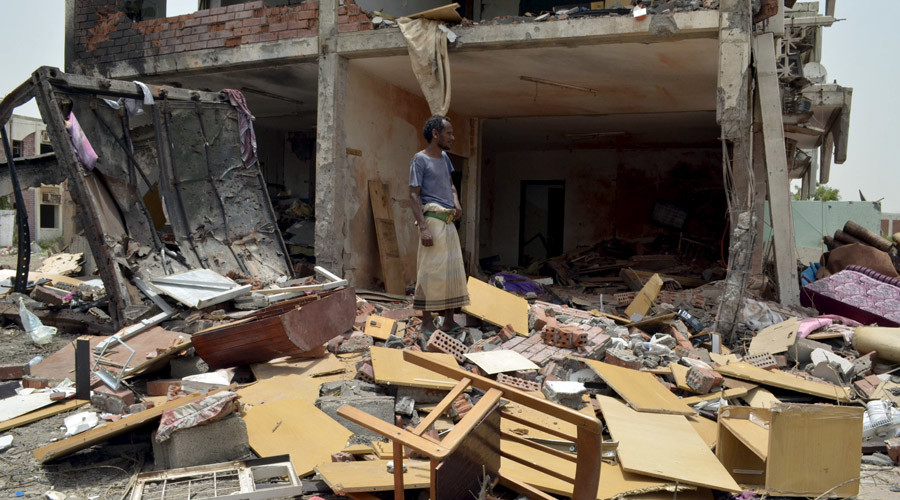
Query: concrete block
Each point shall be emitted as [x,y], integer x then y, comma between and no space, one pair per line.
[862,366]
[421,395]
[819,356]
[801,351]
[184,367]
[405,406]
[565,393]
[381,407]
[356,342]
[221,441]
[110,401]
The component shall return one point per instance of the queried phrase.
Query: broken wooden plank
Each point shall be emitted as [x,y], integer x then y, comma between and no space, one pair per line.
[644,300]
[379,327]
[279,330]
[754,436]
[640,451]
[500,361]
[776,338]
[294,379]
[726,394]
[760,398]
[497,306]
[103,433]
[775,378]
[372,475]
[390,368]
[386,235]
[41,414]
[297,428]
[641,390]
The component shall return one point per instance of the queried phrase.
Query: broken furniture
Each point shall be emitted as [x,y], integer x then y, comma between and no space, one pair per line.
[199,288]
[183,153]
[288,328]
[793,449]
[259,479]
[471,449]
[497,306]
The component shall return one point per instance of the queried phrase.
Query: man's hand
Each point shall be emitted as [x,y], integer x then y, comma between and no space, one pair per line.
[457,213]
[427,238]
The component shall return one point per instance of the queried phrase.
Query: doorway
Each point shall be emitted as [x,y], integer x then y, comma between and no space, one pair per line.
[541,220]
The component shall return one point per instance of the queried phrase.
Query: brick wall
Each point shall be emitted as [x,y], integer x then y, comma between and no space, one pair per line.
[106,35]
[28,147]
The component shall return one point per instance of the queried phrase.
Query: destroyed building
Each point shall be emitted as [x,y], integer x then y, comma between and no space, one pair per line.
[599,146]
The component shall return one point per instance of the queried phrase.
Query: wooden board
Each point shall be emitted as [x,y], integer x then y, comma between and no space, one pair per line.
[105,432]
[21,404]
[614,481]
[754,436]
[813,448]
[726,394]
[654,453]
[41,414]
[760,398]
[390,368]
[500,361]
[641,390]
[775,339]
[380,327]
[645,298]
[497,306]
[461,473]
[386,234]
[372,475]
[705,428]
[679,373]
[776,378]
[444,13]
[294,379]
[66,264]
[295,427]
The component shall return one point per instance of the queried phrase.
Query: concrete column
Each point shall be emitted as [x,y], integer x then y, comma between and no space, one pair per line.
[331,159]
[471,201]
[733,112]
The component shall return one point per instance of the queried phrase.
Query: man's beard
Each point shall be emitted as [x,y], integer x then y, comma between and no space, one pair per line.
[443,146]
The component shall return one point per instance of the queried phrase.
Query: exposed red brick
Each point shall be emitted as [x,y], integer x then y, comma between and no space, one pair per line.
[14,372]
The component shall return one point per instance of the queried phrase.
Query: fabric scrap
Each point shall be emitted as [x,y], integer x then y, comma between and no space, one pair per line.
[83,149]
[205,411]
[427,46]
[245,125]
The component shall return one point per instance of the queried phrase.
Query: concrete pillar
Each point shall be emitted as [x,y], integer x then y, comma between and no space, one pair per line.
[331,159]
[471,197]
[69,54]
[733,112]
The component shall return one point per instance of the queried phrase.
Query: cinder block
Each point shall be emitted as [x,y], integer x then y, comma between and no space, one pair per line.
[518,383]
[221,441]
[356,342]
[441,342]
[623,358]
[703,380]
[802,349]
[565,393]
[381,407]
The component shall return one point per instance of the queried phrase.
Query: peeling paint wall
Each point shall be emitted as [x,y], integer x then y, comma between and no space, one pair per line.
[607,193]
[383,123]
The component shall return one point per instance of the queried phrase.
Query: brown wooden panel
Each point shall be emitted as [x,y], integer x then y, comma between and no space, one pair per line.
[460,474]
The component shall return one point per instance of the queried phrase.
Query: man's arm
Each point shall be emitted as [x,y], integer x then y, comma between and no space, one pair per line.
[457,213]
[424,233]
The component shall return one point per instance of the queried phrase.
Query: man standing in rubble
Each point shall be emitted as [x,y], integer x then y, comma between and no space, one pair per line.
[440,275]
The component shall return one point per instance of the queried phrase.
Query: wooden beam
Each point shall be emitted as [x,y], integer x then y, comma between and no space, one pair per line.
[776,168]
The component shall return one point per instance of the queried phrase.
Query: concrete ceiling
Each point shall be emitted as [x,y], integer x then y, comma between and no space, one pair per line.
[697,129]
[627,78]
[280,97]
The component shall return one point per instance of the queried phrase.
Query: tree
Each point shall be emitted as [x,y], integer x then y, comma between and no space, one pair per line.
[822,193]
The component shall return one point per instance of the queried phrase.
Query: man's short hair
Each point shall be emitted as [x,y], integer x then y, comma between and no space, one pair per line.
[434,124]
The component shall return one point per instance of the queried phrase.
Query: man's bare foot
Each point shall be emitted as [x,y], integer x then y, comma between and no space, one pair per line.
[449,324]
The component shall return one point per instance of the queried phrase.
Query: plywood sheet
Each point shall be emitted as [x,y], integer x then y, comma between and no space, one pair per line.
[775,339]
[614,481]
[295,427]
[380,327]
[500,361]
[641,390]
[537,418]
[294,379]
[726,394]
[372,475]
[41,414]
[813,448]
[679,373]
[663,446]
[760,398]
[497,306]
[705,428]
[754,436]
[644,299]
[776,378]
[390,368]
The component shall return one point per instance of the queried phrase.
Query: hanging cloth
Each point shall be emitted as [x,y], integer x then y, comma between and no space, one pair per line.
[427,45]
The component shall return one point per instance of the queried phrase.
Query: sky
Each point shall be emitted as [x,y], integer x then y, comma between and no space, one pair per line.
[855,53]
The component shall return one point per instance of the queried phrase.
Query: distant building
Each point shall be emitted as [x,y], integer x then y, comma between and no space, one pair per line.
[890,223]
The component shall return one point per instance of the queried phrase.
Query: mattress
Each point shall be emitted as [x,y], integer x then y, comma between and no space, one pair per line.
[857,293]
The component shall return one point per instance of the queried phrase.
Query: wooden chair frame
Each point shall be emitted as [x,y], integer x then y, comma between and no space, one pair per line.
[588,439]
